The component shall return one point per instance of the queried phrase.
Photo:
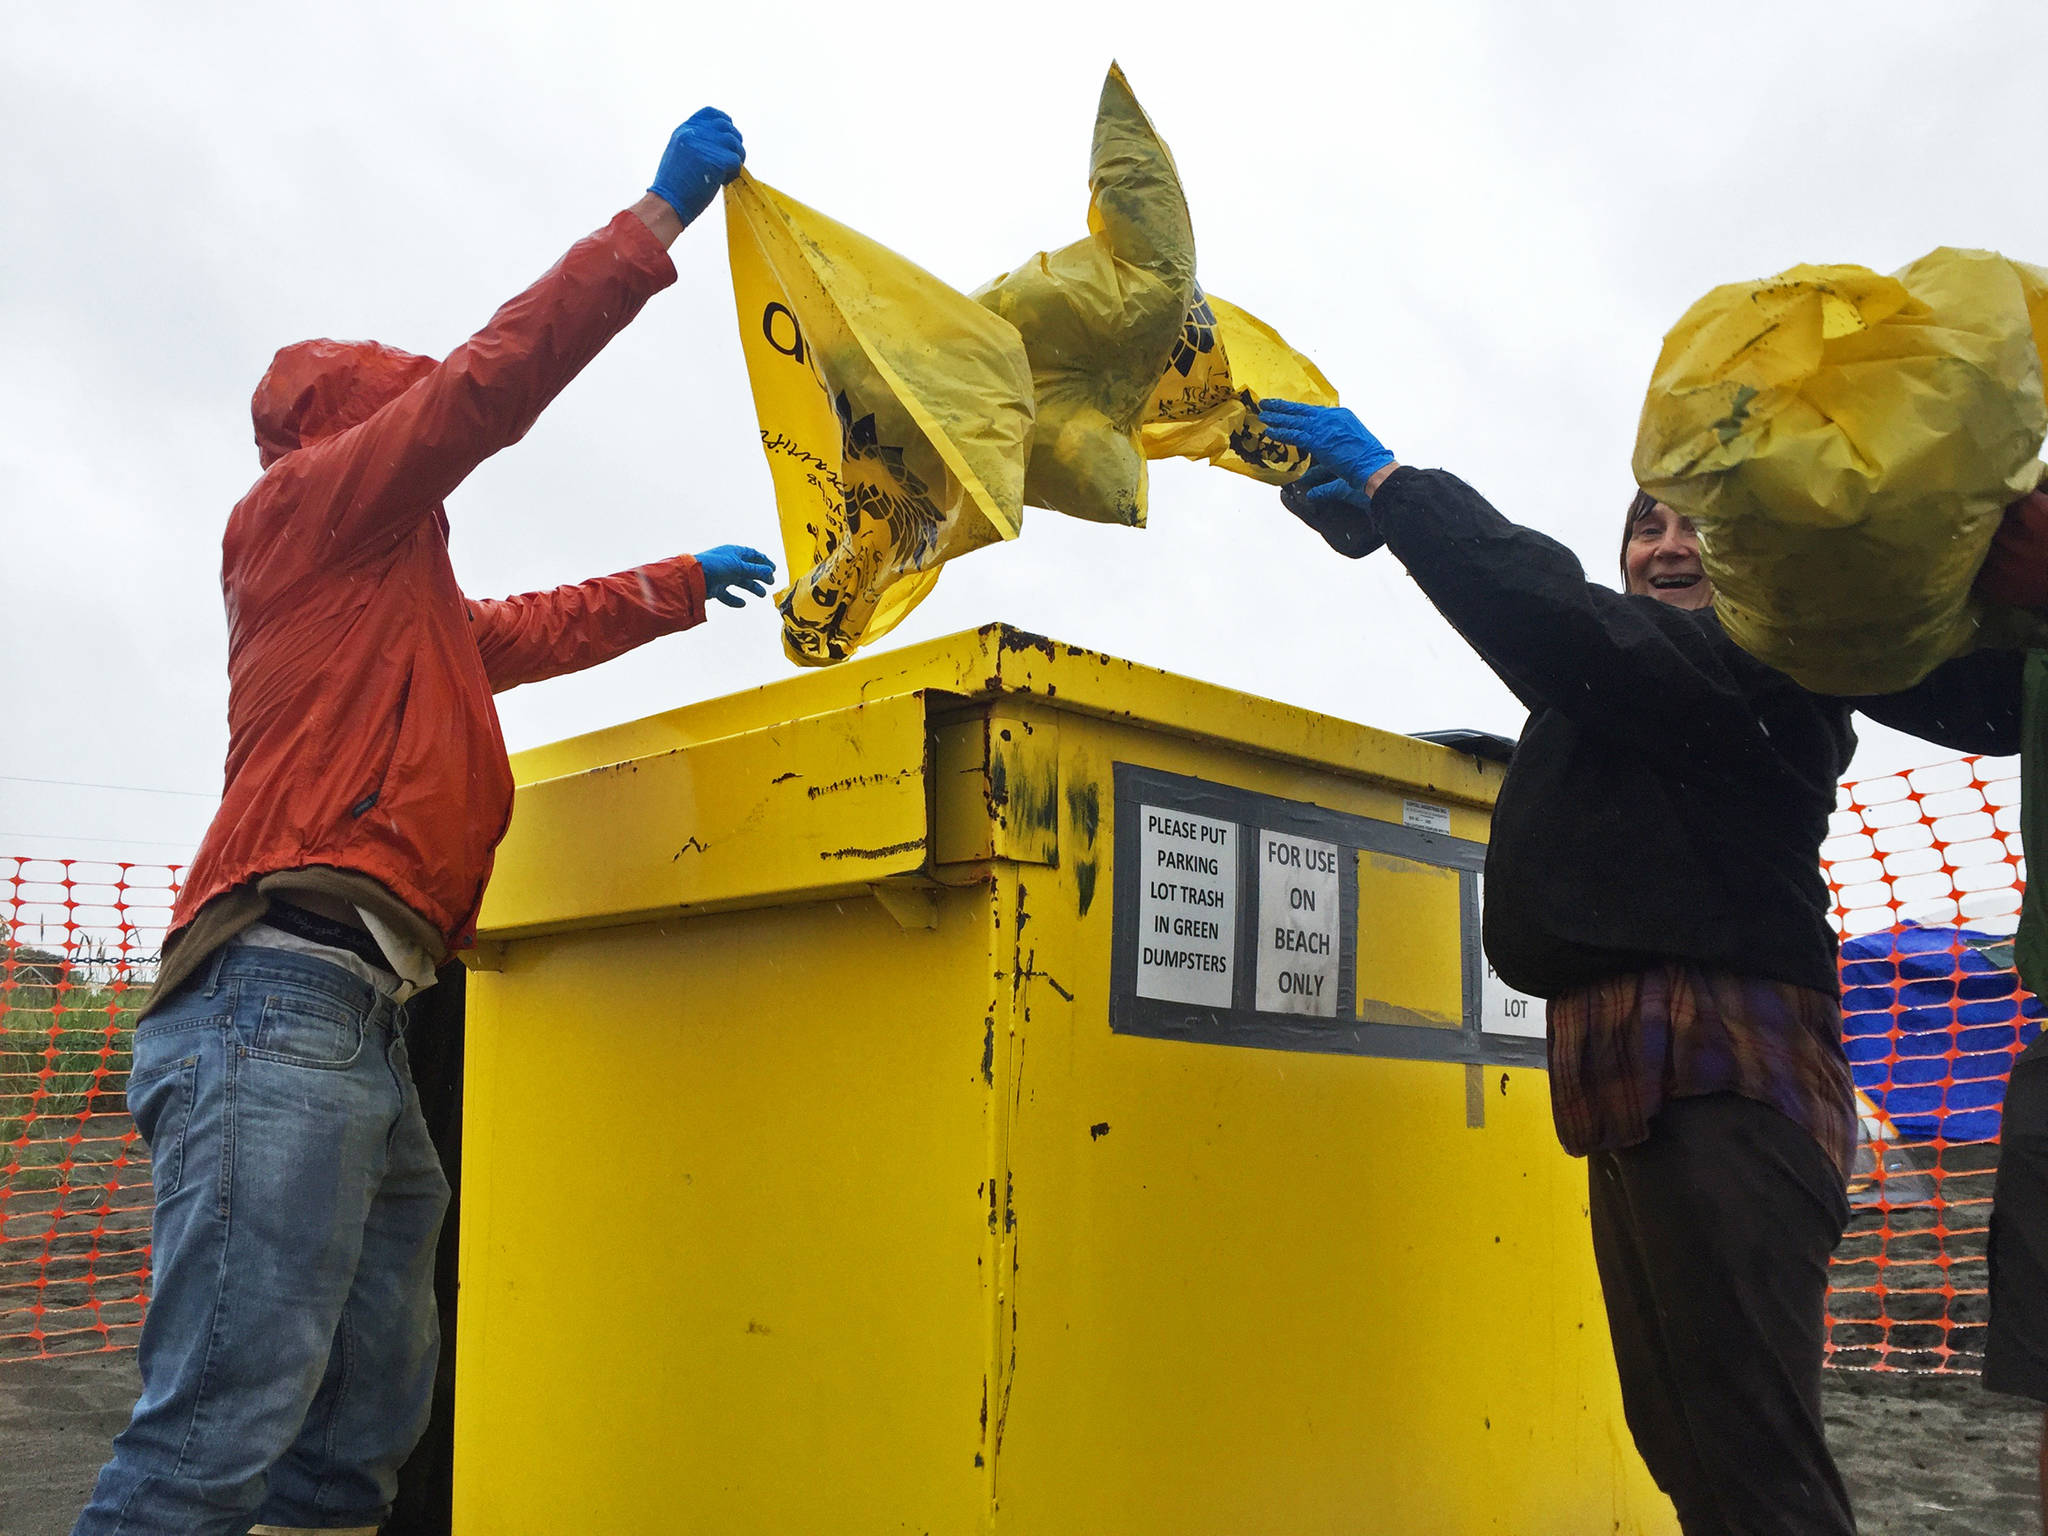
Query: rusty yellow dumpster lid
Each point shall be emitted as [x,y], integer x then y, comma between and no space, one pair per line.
[823,782]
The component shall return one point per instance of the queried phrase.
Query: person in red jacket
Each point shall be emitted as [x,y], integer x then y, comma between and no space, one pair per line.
[288,1354]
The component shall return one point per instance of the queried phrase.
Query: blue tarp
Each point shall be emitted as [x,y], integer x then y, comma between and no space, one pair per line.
[1950,995]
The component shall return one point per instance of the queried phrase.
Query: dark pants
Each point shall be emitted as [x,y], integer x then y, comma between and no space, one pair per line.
[2016,1345]
[426,1482]
[1713,1239]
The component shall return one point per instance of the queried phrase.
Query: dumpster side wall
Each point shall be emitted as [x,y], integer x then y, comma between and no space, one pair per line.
[726,1237]
[1276,1290]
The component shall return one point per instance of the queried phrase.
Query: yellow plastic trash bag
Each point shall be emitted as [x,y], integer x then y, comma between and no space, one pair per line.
[895,411]
[1100,317]
[1846,444]
[1205,405]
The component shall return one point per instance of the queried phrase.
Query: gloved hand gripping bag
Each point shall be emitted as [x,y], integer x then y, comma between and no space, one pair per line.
[896,414]
[1206,404]
[1100,319]
[1846,444]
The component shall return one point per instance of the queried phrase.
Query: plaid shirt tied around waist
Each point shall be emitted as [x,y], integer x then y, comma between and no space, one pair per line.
[1620,1048]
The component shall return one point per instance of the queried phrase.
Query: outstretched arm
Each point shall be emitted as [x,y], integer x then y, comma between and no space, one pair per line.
[1971,704]
[539,635]
[1629,668]
[365,489]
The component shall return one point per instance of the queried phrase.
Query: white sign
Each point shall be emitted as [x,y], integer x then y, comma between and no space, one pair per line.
[1503,1010]
[1187,907]
[1298,945]
[1421,816]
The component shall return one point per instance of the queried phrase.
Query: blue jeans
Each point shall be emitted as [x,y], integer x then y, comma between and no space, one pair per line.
[288,1352]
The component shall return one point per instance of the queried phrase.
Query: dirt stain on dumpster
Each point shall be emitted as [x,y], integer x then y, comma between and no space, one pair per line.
[1084,811]
[978,1461]
[1024,795]
[862,781]
[871,853]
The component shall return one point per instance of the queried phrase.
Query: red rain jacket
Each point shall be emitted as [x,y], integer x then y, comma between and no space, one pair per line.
[361,732]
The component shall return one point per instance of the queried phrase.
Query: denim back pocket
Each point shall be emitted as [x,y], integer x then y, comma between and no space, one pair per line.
[304,1028]
[160,1100]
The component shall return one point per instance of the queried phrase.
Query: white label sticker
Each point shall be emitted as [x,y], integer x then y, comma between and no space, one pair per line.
[1187,909]
[1503,1010]
[1421,816]
[1298,945]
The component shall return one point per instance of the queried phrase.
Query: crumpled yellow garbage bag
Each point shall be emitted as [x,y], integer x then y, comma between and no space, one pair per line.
[1100,318]
[1846,444]
[1205,406]
[896,414]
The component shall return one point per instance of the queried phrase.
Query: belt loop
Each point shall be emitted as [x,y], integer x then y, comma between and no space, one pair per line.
[214,963]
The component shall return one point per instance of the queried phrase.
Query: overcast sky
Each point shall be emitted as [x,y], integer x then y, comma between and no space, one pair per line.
[1477,218]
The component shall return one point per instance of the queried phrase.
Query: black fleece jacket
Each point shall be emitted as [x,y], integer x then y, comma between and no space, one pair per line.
[1670,793]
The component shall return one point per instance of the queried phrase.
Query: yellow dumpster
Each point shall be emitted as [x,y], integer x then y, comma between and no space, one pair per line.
[994,1087]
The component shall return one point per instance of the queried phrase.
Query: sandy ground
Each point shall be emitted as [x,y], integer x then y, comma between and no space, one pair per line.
[1923,1456]
[1934,1456]
[57,1418]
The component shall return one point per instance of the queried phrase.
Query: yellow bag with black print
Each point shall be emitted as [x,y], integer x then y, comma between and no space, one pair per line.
[1100,318]
[1205,406]
[1846,444]
[896,414]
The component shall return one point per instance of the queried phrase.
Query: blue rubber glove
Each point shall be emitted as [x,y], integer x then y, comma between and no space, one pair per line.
[732,568]
[1327,503]
[702,156]
[1330,435]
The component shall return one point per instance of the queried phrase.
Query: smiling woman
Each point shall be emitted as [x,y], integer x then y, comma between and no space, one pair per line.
[1653,873]
[1660,555]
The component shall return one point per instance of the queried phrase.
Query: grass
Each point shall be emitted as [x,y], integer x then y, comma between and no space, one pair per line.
[64,1051]
[74,1176]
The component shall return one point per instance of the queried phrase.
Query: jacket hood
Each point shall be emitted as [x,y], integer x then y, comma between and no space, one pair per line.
[314,389]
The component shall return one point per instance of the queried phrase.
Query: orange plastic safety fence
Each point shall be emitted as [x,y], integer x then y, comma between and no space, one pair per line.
[1926,873]
[78,949]
[1925,870]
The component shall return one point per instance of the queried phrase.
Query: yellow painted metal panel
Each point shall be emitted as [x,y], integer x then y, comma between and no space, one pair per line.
[1410,931]
[965,664]
[962,829]
[1281,1292]
[725,1236]
[997,787]
[832,802]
